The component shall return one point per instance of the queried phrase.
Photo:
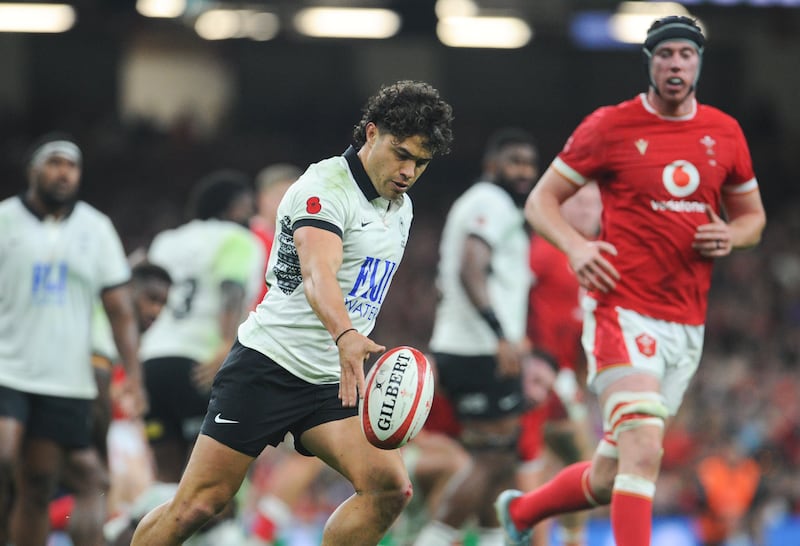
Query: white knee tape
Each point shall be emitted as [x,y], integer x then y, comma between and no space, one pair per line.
[635,485]
[628,410]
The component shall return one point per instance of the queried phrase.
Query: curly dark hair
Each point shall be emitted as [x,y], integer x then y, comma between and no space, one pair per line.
[408,108]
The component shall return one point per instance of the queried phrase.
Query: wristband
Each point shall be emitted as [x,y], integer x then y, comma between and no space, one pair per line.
[336,341]
[491,319]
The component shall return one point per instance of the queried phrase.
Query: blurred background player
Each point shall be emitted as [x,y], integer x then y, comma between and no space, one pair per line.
[667,168]
[149,288]
[271,184]
[557,433]
[59,255]
[216,267]
[478,336]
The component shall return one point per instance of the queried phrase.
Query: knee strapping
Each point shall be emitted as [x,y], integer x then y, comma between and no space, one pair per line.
[628,410]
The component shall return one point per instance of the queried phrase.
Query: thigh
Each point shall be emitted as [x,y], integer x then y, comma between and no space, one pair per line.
[213,475]
[65,421]
[343,446]
[684,358]
[13,419]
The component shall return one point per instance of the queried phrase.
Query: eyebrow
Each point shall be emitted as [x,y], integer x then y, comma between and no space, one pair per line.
[404,151]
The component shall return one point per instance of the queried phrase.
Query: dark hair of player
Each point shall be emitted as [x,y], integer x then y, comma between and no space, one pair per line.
[508,136]
[215,192]
[144,271]
[408,108]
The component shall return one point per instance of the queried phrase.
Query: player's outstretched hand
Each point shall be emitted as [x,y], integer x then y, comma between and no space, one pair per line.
[354,350]
[593,270]
[713,240]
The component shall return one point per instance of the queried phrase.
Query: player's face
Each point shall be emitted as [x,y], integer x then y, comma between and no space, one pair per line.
[674,68]
[517,169]
[537,379]
[55,182]
[150,297]
[393,165]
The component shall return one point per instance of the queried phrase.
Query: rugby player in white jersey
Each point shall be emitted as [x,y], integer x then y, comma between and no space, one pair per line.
[478,336]
[298,365]
[57,255]
[217,267]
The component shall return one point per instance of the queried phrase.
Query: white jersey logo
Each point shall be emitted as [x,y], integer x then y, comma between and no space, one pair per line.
[680,178]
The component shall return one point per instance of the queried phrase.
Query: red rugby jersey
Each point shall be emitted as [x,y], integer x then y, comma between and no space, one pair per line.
[656,175]
[555,318]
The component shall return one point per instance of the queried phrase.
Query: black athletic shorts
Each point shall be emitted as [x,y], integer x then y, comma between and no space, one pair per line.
[66,421]
[177,407]
[476,391]
[255,402]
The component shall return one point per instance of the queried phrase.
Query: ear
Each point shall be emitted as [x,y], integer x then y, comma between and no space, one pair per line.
[371,131]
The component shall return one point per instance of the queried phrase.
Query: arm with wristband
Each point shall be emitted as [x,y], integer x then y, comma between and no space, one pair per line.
[474,274]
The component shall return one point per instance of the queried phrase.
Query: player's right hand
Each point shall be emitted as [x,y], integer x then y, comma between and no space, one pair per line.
[593,270]
[354,350]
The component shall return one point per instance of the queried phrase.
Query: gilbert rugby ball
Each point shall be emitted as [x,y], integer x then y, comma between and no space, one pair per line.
[398,397]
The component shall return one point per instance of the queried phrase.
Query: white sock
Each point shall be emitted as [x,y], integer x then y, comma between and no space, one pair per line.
[491,536]
[437,533]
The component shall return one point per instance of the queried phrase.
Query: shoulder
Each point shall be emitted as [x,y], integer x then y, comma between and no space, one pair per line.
[330,172]
[86,213]
[608,114]
[717,116]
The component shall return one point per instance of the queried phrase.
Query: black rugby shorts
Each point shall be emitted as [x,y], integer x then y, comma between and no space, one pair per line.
[477,393]
[65,421]
[255,402]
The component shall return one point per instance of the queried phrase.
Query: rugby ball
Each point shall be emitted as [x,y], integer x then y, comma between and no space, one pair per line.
[398,397]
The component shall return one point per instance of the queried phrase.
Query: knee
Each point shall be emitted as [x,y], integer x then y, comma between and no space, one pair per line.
[601,481]
[90,474]
[641,453]
[392,493]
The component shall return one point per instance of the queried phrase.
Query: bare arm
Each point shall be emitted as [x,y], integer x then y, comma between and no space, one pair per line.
[231,315]
[543,212]
[320,254]
[746,221]
[474,273]
[118,304]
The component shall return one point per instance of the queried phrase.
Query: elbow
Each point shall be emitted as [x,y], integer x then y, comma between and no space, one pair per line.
[530,210]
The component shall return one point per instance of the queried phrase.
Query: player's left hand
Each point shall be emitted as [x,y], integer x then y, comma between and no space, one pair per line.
[713,240]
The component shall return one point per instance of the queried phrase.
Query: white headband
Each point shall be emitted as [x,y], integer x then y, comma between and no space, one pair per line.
[64,148]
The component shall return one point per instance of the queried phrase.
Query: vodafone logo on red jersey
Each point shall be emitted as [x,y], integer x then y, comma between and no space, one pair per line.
[680,178]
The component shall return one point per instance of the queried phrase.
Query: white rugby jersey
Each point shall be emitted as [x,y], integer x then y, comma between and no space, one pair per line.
[199,256]
[487,211]
[335,194]
[51,274]
[103,335]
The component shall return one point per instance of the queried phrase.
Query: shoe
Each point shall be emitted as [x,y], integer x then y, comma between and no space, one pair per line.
[514,537]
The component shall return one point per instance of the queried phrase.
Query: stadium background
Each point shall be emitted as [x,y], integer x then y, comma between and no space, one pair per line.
[155,107]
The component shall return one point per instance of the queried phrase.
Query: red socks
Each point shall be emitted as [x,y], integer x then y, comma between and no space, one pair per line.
[632,510]
[568,491]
